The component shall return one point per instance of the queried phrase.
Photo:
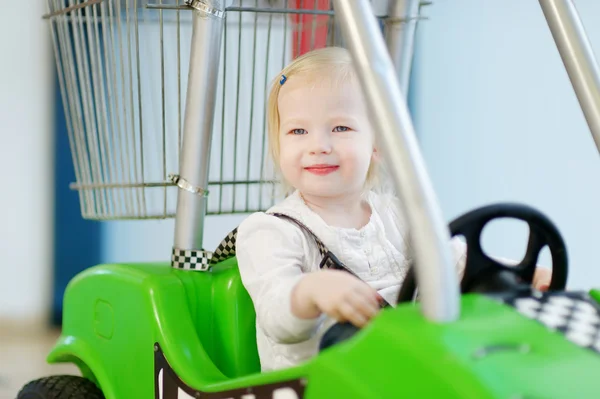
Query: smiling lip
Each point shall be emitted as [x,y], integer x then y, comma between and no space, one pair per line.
[322,169]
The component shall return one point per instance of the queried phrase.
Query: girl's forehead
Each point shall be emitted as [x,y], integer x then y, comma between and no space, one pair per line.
[322,93]
[320,79]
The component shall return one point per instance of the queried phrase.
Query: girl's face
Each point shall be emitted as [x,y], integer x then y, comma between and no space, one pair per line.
[325,138]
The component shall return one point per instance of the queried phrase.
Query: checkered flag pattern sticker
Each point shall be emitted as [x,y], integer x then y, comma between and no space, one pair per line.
[200,260]
[576,315]
[226,248]
[190,259]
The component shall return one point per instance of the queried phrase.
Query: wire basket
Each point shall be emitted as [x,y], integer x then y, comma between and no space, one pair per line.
[122,68]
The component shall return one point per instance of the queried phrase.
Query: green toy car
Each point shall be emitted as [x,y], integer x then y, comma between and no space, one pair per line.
[150,330]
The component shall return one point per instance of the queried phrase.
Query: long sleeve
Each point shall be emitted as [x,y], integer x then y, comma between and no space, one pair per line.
[270,255]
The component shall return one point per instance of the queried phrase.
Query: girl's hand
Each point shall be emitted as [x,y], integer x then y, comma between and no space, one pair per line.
[542,278]
[337,294]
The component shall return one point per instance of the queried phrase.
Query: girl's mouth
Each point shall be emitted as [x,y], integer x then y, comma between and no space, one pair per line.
[321,169]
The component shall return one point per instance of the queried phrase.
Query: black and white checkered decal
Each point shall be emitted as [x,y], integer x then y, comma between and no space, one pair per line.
[574,314]
[226,248]
[167,385]
[190,259]
[202,260]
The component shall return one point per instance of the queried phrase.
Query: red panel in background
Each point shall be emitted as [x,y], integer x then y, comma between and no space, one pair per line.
[303,35]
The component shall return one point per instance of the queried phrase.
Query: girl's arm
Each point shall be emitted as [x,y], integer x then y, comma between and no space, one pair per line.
[270,254]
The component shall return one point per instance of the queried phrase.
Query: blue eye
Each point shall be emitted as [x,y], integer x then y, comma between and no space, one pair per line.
[297,132]
[341,129]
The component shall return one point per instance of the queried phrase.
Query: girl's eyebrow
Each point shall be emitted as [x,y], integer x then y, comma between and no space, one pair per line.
[344,118]
[333,119]
[292,121]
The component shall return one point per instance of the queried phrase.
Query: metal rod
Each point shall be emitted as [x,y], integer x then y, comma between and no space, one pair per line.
[430,240]
[95,108]
[78,186]
[400,28]
[578,57]
[122,148]
[153,216]
[70,8]
[330,31]
[173,7]
[63,79]
[139,99]
[102,114]
[313,25]
[237,110]
[279,10]
[223,113]
[207,31]
[244,9]
[83,77]
[299,29]
[250,122]
[127,216]
[264,137]
[178,81]
[141,208]
[114,114]
[163,104]
[267,72]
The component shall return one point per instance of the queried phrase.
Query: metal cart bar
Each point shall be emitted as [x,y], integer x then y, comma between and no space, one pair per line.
[70,8]
[436,274]
[578,57]
[245,9]
[400,28]
[207,31]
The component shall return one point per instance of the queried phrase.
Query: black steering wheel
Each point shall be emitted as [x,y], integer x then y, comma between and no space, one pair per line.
[486,275]
[482,273]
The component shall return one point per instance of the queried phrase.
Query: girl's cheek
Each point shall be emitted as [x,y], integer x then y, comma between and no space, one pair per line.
[349,148]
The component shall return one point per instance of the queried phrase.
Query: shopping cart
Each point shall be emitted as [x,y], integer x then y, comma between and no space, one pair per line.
[165,113]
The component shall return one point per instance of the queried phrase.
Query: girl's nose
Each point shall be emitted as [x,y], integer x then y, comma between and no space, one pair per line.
[320,144]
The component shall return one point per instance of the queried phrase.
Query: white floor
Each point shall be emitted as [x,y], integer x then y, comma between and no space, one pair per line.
[23,358]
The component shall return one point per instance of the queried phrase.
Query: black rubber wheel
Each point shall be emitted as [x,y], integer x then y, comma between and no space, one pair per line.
[61,387]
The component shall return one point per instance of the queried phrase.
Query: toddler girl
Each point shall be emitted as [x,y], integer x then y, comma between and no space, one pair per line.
[336,216]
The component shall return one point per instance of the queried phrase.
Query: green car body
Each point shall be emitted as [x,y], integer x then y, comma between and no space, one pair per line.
[144,330]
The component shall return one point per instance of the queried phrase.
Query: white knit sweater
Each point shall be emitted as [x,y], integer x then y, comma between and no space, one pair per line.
[274,253]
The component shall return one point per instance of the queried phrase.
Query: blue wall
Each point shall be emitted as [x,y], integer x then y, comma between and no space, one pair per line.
[498,120]
[77,242]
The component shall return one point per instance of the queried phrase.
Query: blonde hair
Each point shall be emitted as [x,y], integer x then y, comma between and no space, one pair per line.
[333,62]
